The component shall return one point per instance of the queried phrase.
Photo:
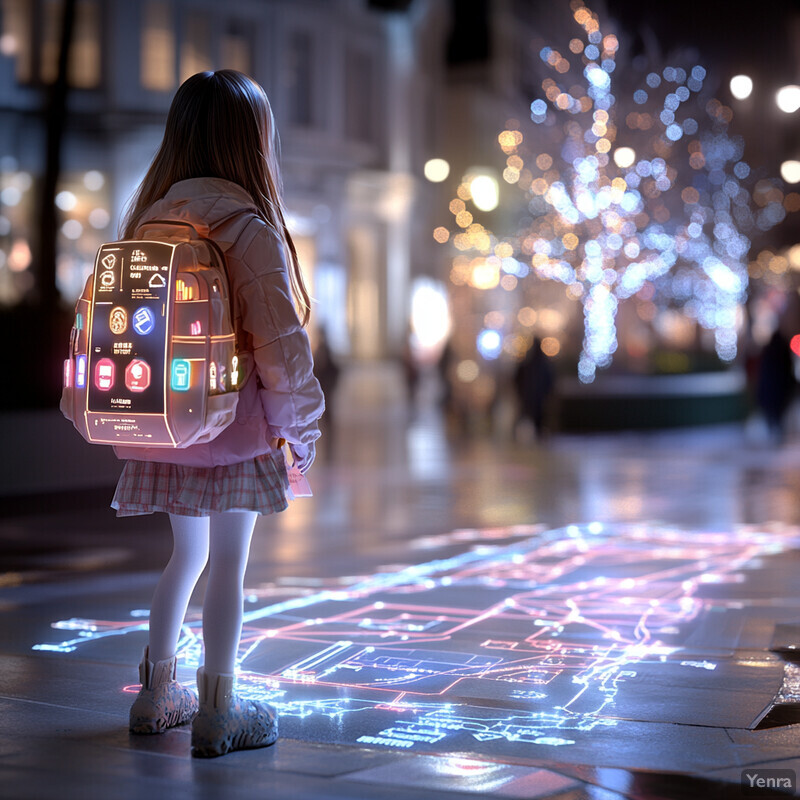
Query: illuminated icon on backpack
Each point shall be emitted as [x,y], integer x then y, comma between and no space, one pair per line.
[195,329]
[118,320]
[104,374]
[234,371]
[109,261]
[181,375]
[157,282]
[80,372]
[182,291]
[137,375]
[212,376]
[144,320]
[107,279]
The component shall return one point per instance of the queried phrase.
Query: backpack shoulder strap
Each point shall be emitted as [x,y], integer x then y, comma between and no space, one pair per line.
[189,231]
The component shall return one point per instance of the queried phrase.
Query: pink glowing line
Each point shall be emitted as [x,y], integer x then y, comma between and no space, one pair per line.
[626,611]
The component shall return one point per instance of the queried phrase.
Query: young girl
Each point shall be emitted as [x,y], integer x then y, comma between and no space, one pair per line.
[217,169]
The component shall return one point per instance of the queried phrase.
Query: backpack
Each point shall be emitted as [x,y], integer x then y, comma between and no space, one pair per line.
[152,353]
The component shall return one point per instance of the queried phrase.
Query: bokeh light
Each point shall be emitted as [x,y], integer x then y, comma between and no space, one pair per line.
[632,191]
[788,98]
[551,346]
[430,315]
[790,171]
[490,343]
[467,370]
[94,180]
[66,201]
[436,170]
[485,192]
[624,156]
[741,86]
[485,273]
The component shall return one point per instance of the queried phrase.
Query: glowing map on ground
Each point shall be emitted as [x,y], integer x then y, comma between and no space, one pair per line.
[536,641]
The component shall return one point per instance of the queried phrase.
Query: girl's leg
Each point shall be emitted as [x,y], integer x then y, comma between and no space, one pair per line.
[162,702]
[174,590]
[225,721]
[230,535]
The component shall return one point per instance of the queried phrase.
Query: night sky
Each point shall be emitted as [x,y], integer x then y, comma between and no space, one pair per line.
[736,35]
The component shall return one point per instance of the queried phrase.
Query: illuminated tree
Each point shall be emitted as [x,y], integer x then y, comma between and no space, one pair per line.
[633,187]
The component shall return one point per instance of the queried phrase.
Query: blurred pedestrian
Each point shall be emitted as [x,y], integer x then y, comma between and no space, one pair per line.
[327,372]
[776,384]
[444,367]
[217,169]
[533,381]
[410,371]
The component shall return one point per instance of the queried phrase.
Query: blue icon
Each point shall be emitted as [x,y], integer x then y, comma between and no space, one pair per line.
[144,320]
[80,372]
[181,375]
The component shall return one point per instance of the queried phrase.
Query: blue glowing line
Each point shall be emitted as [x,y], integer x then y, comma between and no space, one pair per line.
[557,644]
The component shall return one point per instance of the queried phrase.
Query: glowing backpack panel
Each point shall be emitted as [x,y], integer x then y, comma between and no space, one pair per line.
[152,356]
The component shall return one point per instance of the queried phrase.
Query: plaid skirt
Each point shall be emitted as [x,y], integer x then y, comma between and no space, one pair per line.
[256,485]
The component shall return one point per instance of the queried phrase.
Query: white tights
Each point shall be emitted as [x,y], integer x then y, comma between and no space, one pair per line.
[222,540]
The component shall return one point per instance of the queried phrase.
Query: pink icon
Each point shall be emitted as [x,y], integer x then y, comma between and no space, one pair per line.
[137,375]
[104,374]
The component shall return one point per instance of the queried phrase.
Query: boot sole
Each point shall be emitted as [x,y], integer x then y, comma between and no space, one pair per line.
[216,749]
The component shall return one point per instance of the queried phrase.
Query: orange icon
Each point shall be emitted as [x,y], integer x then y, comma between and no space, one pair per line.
[118,320]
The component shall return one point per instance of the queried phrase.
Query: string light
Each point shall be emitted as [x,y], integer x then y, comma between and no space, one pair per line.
[669,211]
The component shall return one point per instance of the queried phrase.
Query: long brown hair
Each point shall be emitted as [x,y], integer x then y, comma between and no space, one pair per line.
[220,125]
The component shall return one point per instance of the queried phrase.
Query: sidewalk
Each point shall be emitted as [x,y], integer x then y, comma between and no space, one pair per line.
[600,617]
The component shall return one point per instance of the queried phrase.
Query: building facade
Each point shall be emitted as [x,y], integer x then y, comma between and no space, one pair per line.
[352,85]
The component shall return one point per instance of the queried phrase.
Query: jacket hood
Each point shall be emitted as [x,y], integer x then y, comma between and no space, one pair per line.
[207,203]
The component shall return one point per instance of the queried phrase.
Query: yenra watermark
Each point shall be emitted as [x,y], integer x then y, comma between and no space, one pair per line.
[758,782]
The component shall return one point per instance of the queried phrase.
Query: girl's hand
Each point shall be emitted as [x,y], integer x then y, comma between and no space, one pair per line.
[303,455]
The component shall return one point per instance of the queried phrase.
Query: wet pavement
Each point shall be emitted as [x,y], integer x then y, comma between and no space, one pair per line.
[585,617]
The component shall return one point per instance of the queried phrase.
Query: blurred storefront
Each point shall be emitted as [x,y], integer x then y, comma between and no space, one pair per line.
[392,113]
[352,85]
[643,239]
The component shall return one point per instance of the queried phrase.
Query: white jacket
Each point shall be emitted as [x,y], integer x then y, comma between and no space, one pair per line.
[280,398]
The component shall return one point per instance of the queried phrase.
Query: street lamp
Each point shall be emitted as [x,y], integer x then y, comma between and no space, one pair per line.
[788,98]
[741,86]
[624,157]
[436,170]
[485,192]
[790,171]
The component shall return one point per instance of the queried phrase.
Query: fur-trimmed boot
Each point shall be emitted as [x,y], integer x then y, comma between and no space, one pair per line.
[162,702]
[226,722]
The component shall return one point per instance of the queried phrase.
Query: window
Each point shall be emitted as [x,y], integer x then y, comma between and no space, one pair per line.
[32,34]
[17,36]
[195,46]
[359,112]
[236,51]
[158,47]
[84,57]
[300,79]
[50,21]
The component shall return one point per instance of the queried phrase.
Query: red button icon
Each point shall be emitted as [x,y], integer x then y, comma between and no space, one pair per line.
[104,374]
[137,375]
